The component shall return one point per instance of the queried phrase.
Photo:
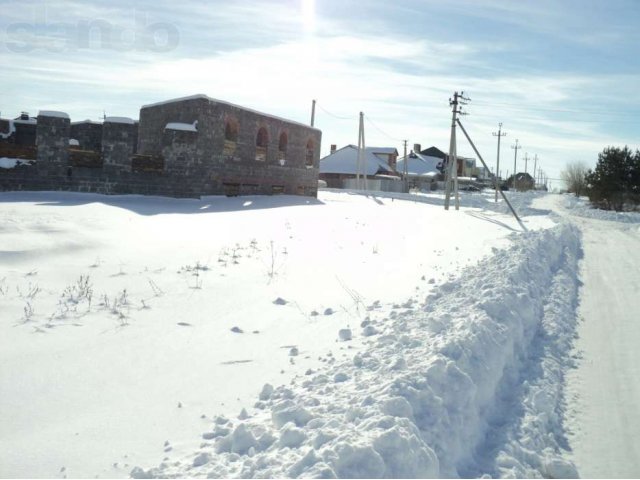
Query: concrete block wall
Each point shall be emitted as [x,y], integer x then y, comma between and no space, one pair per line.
[88,134]
[180,152]
[194,162]
[220,173]
[118,137]
[52,141]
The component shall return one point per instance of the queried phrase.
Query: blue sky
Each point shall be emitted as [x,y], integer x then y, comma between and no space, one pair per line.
[562,76]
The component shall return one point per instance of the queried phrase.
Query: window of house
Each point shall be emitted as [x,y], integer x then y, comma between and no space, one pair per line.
[309,153]
[262,141]
[231,128]
[282,146]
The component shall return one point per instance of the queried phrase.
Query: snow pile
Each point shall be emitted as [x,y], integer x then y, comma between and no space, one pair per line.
[582,208]
[185,127]
[6,162]
[436,391]
[12,129]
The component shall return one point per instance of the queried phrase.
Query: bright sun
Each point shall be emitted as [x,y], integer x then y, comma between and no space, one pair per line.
[308,14]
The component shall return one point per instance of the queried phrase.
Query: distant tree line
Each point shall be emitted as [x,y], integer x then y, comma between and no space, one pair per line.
[614,184]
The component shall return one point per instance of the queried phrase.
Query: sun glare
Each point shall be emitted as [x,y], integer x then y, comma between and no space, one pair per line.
[308,14]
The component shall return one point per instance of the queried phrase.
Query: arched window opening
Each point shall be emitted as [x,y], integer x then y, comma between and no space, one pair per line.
[282,146]
[309,153]
[262,141]
[231,128]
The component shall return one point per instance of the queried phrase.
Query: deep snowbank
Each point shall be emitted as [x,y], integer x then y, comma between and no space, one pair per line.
[582,208]
[438,391]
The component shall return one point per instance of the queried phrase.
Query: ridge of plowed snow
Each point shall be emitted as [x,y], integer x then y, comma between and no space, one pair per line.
[582,208]
[435,391]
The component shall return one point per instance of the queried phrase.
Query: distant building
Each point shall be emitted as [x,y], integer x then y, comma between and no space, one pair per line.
[466,166]
[523,181]
[339,169]
[423,171]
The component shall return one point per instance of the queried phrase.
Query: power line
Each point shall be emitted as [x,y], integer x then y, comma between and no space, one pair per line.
[572,120]
[381,131]
[560,110]
[332,114]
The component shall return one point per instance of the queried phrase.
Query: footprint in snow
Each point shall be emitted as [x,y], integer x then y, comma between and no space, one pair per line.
[344,334]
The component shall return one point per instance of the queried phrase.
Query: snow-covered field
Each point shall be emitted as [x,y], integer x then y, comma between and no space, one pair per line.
[347,336]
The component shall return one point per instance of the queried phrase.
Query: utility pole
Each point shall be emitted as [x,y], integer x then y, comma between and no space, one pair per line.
[452,166]
[515,147]
[485,166]
[499,134]
[539,179]
[361,160]
[526,161]
[313,112]
[535,164]
[406,167]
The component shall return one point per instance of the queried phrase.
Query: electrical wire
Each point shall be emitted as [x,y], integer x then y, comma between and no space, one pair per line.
[366,117]
[520,107]
[332,114]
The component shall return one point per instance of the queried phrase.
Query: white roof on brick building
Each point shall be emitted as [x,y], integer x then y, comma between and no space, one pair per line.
[53,113]
[127,120]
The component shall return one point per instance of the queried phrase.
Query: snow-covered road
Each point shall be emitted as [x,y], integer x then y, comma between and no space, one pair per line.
[603,392]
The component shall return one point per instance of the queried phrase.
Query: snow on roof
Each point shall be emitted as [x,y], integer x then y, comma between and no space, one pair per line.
[52,113]
[201,96]
[29,121]
[6,162]
[384,150]
[86,121]
[345,161]
[419,164]
[12,129]
[126,120]
[185,127]
[388,177]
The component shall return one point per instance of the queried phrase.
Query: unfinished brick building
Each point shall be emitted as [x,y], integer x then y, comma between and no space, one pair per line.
[185,147]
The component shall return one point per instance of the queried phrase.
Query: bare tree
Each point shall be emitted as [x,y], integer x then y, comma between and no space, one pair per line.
[574,177]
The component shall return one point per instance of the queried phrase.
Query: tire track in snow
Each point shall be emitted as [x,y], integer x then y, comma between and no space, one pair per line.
[603,418]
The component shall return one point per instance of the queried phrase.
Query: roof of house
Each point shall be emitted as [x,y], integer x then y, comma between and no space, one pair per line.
[419,164]
[384,150]
[433,152]
[345,161]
